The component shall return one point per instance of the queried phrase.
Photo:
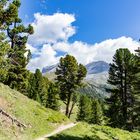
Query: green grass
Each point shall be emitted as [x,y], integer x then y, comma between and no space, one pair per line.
[38,119]
[85,131]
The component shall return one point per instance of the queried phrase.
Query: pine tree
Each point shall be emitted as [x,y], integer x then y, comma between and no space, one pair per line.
[121,99]
[136,92]
[84,109]
[4,61]
[38,87]
[96,113]
[4,46]
[31,86]
[44,92]
[69,77]
[18,35]
[52,100]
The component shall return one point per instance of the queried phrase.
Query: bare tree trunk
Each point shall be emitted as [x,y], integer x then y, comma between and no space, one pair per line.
[67,105]
[70,112]
[125,99]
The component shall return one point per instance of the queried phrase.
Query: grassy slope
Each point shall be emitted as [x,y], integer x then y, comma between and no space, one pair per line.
[38,119]
[85,131]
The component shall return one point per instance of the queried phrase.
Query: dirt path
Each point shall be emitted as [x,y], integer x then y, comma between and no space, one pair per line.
[58,130]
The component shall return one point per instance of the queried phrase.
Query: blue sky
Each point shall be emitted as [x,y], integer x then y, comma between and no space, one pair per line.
[96,20]
[95,28]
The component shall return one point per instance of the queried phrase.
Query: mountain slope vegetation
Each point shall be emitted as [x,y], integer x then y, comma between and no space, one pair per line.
[84,131]
[37,119]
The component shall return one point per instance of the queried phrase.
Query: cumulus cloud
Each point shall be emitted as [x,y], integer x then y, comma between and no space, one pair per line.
[31,48]
[52,28]
[50,41]
[86,53]
[83,52]
[47,56]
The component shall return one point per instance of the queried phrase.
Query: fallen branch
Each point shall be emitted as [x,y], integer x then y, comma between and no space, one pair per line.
[14,120]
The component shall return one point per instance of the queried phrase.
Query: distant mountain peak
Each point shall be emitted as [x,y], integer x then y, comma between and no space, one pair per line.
[49,69]
[94,67]
[97,67]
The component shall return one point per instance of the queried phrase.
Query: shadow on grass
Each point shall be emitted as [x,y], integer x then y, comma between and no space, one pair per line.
[68,137]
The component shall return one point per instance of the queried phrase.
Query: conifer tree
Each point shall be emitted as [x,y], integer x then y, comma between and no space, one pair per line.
[52,97]
[136,91]
[44,91]
[18,35]
[69,78]
[121,99]
[96,112]
[84,109]
[38,87]
[4,46]
[4,61]
[31,86]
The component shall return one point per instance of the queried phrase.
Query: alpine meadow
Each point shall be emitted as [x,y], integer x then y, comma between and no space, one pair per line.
[69,70]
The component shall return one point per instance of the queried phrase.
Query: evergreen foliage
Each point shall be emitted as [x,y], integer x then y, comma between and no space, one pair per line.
[84,109]
[52,100]
[43,91]
[4,61]
[136,91]
[17,36]
[122,101]
[69,78]
[89,110]
[96,112]
[38,87]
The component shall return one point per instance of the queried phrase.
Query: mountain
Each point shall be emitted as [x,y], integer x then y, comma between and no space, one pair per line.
[97,67]
[96,79]
[49,69]
[92,68]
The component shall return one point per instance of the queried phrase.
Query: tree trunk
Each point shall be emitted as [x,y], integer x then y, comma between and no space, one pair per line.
[125,99]
[67,105]
[70,112]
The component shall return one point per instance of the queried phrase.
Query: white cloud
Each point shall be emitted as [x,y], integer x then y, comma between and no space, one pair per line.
[52,33]
[84,53]
[31,48]
[52,28]
[47,57]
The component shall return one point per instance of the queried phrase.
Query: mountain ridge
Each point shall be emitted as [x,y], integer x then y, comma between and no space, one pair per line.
[96,79]
[94,67]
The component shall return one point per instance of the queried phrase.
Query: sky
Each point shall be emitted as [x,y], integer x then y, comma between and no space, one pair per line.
[90,30]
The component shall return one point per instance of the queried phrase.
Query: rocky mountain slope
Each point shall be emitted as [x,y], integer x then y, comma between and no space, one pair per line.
[92,68]
[96,79]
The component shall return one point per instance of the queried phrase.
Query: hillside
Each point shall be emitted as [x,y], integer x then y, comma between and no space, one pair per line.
[96,79]
[37,120]
[97,67]
[85,131]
